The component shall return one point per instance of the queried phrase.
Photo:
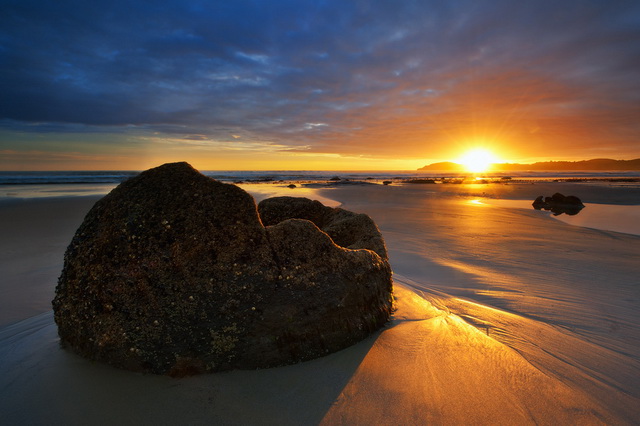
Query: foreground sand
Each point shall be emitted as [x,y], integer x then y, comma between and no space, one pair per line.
[505,316]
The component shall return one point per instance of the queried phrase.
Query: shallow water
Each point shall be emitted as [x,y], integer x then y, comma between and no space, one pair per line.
[54,190]
[261,191]
[606,217]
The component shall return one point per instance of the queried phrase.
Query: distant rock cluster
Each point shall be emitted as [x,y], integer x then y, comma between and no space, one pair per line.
[559,204]
[176,273]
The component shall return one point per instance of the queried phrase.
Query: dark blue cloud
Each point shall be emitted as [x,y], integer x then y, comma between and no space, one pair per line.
[331,76]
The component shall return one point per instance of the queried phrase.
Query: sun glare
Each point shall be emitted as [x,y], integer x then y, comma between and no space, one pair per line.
[477,160]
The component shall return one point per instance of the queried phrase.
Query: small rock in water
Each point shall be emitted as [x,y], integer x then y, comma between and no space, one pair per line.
[559,204]
[174,273]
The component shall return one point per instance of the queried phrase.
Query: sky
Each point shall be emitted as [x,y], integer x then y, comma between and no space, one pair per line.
[312,85]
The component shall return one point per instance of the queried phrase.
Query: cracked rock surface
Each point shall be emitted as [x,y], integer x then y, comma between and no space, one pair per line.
[175,273]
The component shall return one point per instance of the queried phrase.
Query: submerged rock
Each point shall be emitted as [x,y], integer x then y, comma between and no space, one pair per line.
[174,273]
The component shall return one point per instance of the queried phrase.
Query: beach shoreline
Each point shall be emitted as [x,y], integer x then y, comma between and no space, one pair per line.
[506,312]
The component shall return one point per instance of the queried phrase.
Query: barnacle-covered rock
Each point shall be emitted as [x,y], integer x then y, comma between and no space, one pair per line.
[175,273]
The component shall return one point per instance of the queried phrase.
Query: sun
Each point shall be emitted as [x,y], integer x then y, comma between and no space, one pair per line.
[477,160]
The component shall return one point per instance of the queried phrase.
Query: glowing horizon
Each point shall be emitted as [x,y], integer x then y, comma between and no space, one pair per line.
[320,165]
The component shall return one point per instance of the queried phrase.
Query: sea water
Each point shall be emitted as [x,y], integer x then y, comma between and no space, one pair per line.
[606,217]
[29,184]
[262,184]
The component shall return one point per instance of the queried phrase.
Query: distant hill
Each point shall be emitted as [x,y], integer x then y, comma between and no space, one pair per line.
[595,164]
[444,166]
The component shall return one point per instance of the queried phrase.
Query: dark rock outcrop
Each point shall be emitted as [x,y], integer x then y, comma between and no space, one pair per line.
[559,204]
[174,273]
[422,181]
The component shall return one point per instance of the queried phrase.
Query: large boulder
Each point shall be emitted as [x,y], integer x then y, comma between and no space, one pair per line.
[174,273]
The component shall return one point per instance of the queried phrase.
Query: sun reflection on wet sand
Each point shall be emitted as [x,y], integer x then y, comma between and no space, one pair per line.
[447,369]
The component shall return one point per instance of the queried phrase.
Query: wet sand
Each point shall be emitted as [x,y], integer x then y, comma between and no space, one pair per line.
[505,316]
[35,233]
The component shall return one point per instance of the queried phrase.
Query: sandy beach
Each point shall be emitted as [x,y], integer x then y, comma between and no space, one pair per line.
[505,315]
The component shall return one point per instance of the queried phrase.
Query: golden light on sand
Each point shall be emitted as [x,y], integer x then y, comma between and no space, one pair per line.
[477,160]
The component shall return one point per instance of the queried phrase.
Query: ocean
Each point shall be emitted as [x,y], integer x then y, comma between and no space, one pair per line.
[29,184]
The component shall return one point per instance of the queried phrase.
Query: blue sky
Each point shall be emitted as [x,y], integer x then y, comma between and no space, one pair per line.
[315,84]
